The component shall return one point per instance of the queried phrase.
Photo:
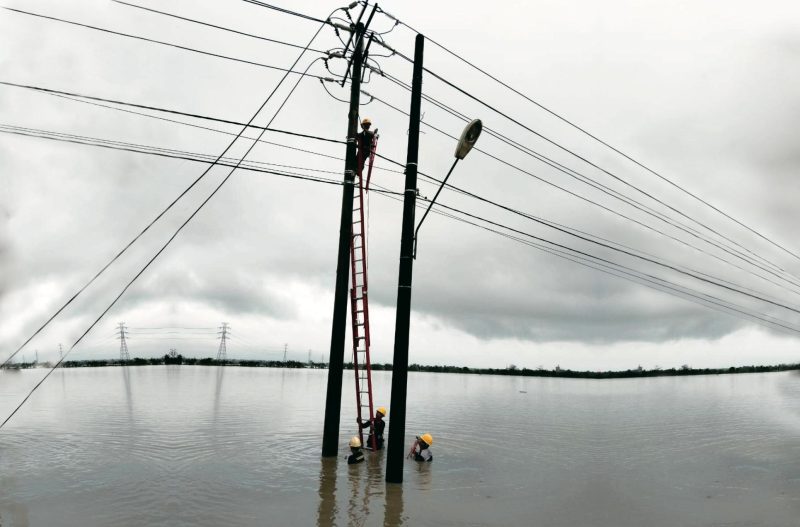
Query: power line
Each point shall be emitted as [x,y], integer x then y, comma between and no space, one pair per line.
[186,222]
[143,148]
[174,112]
[615,194]
[539,220]
[77,97]
[588,200]
[563,228]
[575,154]
[287,11]
[294,13]
[177,327]
[230,30]
[187,156]
[160,42]
[627,273]
[592,136]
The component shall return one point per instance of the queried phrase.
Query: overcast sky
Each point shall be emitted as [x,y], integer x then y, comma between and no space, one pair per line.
[706,93]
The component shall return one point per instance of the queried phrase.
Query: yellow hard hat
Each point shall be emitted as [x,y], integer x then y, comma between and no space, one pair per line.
[427,438]
[365,121]
[355,442]
[381,410]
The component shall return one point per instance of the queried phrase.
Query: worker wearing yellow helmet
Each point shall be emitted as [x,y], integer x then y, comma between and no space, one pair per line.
[357,455]
[376,426]
[421,449]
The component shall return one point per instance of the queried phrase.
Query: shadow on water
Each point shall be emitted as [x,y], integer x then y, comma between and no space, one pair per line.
[365,493]
[326,514]
[393,510]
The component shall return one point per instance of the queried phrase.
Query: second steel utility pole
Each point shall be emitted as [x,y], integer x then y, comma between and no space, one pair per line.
[333,399]
[397,424]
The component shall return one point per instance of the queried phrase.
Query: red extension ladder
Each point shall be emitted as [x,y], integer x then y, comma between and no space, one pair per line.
[359,304]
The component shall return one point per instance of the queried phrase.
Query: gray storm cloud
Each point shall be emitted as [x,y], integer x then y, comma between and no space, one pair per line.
[718,119]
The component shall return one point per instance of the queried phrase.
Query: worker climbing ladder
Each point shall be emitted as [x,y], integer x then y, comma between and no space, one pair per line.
[359,297]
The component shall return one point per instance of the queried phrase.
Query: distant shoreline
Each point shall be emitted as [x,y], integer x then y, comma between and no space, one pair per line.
[508,371]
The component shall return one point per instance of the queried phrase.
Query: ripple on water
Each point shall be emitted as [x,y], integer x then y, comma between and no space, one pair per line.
[236,446]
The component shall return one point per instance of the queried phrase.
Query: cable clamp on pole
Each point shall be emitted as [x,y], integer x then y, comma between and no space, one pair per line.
[375,69]
[343,27]
[387,46]
[389,15]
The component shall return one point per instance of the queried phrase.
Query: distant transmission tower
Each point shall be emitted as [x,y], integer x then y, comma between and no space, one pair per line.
[60,352]
[222,353]
[285,348]
[122,335]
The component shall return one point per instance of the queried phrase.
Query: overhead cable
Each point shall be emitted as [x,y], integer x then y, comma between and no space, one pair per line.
[594,137]
[158,217]
[618,270]
[174,112]
[180,228]
[161,42]
[215,26]
[203,158]
[597,204]
[617,195]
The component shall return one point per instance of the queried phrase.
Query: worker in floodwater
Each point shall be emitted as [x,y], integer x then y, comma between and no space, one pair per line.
[377,429]
[357,455]
[421,449]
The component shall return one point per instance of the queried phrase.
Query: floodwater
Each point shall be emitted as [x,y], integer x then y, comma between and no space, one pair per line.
[193,445]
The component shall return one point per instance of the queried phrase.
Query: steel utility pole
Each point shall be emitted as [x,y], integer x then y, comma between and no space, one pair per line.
[397,424]
[123,342]
[222,352]
[333,400]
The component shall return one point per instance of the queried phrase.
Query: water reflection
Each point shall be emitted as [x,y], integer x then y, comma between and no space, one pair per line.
[608,454]
[364,498]
[326,514]
[217,393]
[393,509]
[356,512]
[424,475]
[126,375]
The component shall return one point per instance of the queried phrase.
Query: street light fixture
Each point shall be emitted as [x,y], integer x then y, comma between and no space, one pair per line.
[468,139]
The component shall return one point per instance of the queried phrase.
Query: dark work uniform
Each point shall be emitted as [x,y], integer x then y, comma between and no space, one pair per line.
[356,457]
[380,426]
[364,142]
[423,453]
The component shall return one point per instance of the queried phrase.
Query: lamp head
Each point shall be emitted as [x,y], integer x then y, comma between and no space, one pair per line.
[468,138]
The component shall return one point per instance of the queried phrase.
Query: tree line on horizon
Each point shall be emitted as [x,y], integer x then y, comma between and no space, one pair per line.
[511,370]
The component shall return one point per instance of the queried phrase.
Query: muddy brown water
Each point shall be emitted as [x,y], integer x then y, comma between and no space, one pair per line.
[192,445]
